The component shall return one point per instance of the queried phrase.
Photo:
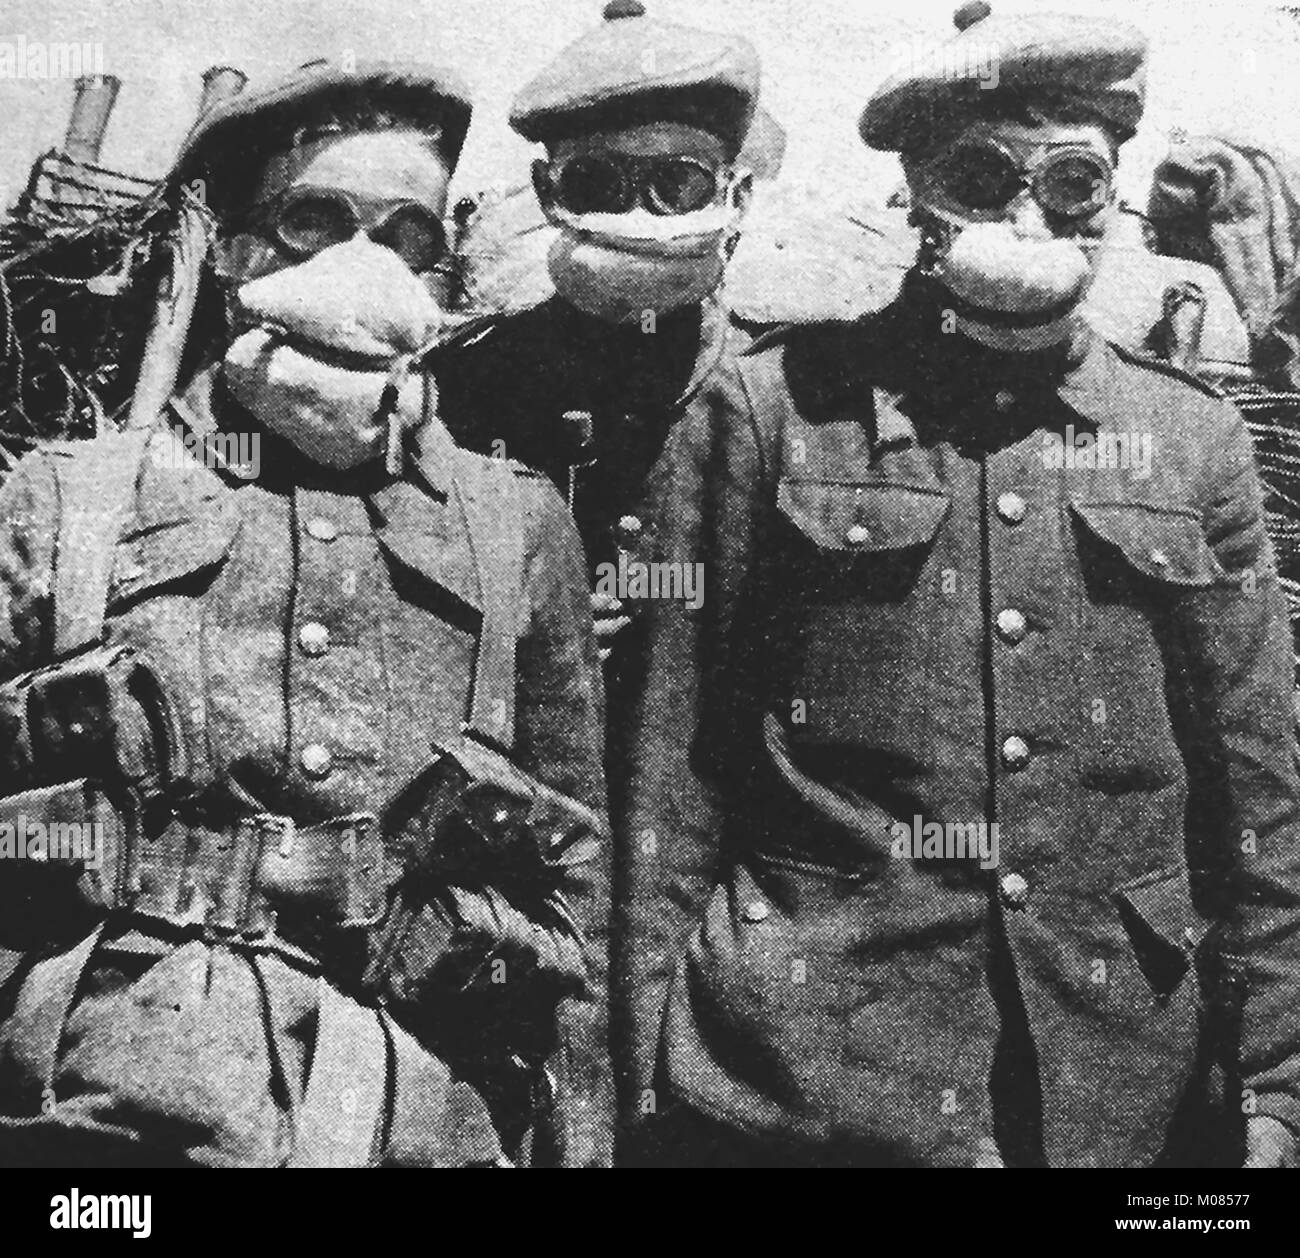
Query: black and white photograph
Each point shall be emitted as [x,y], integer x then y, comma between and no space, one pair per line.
[666,584]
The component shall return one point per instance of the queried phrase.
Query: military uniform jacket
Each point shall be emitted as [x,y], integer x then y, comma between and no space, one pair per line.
[914,615]
[317,637]
[509,391]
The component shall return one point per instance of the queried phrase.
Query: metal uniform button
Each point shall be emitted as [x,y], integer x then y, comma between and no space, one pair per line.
[316,760]
[629,529]
[1015,752]
[1004,400]
[321,529]
[314,638]
[756,911]
[1012,625]
[857,535]
[1012,507]
[1014,890]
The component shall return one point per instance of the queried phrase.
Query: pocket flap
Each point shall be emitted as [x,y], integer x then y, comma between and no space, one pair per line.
[1163,543]
[1164,928]
[1164,903]
[170,552]
[855,517]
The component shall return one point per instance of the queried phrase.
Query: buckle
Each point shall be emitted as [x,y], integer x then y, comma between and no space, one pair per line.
[332,870]
[234,908]
[280,830]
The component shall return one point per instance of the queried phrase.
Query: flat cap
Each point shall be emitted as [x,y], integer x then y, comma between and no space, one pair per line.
[634,69]
[1095,65]
[240,131]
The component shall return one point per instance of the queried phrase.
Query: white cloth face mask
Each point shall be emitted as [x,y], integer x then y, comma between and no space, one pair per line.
[1014,292]
[621,267]
[323,349]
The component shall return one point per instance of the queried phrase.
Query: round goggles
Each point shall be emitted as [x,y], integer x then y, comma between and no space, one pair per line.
[981,178]
[304,221]
[614,184]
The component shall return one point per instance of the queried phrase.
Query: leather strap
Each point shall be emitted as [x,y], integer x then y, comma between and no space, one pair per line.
[230,880]
[492,504]
[340,1116]
[96,489]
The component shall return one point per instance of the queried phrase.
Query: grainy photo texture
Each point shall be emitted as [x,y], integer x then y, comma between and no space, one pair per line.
[676,585]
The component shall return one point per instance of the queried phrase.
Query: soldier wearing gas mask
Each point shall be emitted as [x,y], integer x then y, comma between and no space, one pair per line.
[977,774]
[319,692]
[643,121]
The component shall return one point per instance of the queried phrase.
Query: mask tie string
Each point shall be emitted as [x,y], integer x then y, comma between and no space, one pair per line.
[388,412]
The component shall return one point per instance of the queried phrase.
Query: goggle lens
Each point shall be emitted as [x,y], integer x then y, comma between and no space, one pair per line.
[311,223]
[306,223]
[984,179]
[591,185]
[680,187]
[1073,186]
[415,235]
[610,185]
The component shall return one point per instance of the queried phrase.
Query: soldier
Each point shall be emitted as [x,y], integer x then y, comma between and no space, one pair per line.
[316,913]
[980,730]
[643,122]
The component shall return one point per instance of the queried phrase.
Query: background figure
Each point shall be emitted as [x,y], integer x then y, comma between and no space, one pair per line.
[1235,205]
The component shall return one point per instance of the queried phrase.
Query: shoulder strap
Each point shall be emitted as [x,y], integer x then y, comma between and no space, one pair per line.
[492,502]
[96,490]
[1154,363]
[338,1123]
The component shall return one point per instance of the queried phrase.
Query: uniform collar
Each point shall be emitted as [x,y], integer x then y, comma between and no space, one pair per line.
[1089,388]
[920,381]
[417,519]
[420,521]
[431,454]
[715,333]
[598,362]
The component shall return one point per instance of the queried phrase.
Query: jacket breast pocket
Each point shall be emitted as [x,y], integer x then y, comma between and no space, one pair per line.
[168,557]
[1137,562]
[1155,549]
[869,538]
[851,606]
